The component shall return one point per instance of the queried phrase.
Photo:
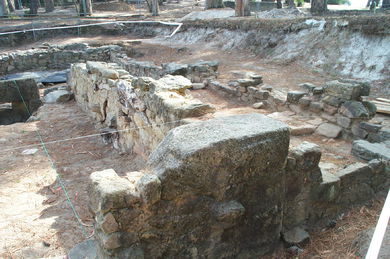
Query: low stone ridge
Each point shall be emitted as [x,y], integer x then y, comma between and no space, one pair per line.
[339,102]
[200,193]
[53,57]
[196,72]
[118,100]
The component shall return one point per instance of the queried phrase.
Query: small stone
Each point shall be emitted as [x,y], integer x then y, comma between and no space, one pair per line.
[31,151]
[307,87]
[108,223]
[296,235]
[294,96]
[344,122]
[318,90]
[304,101]
[315,107]
[197,86]
[266,88]
[261,95]
[370,127]
[329,130]
[333,101]
[58,96]
[368,151]
[258,105]
[302,130]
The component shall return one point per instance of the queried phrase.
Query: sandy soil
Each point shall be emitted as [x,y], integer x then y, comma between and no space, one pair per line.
[35,217]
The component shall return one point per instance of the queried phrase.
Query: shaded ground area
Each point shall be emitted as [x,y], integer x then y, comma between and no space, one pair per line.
[36,219]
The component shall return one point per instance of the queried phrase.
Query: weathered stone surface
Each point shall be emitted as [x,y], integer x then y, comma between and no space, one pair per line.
[329,130]
[315,107]
[175,68]
[195,162]
[294,96]
[344,122]
[370,127]
[295,236]
[197,86]
[333,101]
[86,249]
[309,87]
[258,105]
[305,129]
[109,191]
[58,96]
[367,151]
[304,101]
[354,109]
[12,90]
[342,90]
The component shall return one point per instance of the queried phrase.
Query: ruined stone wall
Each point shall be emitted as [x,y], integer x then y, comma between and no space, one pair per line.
[53,57]
[197,72]
[212,189]
[142,109]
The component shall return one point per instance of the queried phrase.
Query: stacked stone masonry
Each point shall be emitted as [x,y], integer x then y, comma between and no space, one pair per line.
[223,187]
[142,109]
[196,72]
[53,57]
[341,104]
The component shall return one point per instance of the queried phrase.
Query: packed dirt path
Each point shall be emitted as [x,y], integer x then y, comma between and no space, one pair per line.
[36,219]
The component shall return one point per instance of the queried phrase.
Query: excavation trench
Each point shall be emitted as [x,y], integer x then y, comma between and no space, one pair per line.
[204,140]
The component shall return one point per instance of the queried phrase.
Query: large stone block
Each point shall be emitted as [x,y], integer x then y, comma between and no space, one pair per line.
[12,90]
[227,169]
[347,91]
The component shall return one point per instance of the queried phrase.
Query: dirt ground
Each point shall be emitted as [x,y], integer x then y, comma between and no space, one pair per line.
[36,218]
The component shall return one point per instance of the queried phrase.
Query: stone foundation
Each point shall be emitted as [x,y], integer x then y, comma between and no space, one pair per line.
[142,109]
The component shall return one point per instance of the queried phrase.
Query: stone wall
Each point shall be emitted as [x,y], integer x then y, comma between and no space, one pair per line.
[340,103]
[12,91]
[225,188]
[53,57]
[212,189]
[142,109]
[196,72]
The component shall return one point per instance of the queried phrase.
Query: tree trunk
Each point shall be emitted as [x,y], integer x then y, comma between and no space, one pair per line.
[34,7]
[154,7]
[319,6]
[291,3]
[4,11]
[49,6]
[279,4]
[18,4]
[11,6]
[85,7]
[243,8]
[214,4]
[386,4]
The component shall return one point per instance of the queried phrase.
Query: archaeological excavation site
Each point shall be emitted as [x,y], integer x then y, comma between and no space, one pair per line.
[194,129]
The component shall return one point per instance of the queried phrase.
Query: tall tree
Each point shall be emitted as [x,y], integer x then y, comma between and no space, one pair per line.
[243,8]
[11,6]
[319,6]
[291,3]
[214,4]
[85,7]
[4,11]
[154,7]
[18,4]
[49,6]
[34,5]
